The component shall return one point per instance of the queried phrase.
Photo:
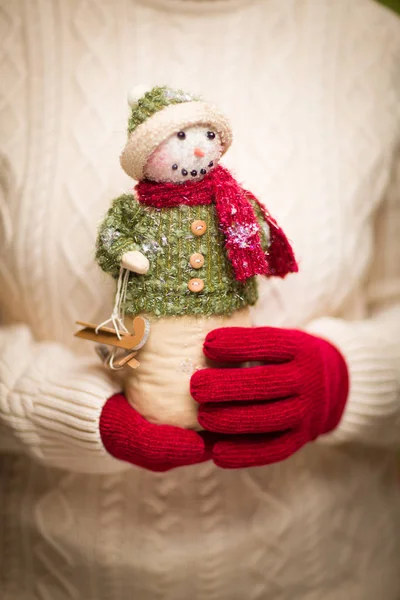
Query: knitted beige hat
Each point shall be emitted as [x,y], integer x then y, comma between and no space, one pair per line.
[158,114]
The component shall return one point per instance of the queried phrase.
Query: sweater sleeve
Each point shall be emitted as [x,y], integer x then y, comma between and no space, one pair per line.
[118,233]
[371,347]
[50,403]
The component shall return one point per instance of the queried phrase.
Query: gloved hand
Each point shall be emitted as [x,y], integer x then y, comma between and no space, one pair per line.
[126,435]
[263,414]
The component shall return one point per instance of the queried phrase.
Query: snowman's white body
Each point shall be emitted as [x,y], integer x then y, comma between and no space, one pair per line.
[160,388]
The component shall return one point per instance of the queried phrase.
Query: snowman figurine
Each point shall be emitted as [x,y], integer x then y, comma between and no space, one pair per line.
[187,244]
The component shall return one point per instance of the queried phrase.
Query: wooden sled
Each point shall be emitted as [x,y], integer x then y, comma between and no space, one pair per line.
[130,342]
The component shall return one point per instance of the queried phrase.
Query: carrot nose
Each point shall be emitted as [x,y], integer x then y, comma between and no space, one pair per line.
[198,152]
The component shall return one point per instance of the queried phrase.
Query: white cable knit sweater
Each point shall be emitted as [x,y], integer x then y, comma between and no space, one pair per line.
[312,89]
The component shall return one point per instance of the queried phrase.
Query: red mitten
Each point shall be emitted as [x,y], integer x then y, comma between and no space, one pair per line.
[263,414]
[126,435]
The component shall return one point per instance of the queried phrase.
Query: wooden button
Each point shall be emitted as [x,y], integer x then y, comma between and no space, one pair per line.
[196,260]
[196,285]
[198,227]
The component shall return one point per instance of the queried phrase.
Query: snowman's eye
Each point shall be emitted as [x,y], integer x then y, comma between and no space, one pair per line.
[181,135]
[210,135]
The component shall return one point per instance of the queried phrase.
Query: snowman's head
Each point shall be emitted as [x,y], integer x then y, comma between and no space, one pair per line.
[173,136]
[187,155]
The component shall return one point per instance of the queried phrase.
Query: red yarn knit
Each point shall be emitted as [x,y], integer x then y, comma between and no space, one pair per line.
[254,416]
[263,414]
[126,435]
[236,218]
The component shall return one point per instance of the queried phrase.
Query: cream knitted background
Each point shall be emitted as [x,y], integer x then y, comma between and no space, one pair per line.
[310,87]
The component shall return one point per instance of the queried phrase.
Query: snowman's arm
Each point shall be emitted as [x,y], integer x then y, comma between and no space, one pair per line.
[265,233]
[116,235]
[281,258]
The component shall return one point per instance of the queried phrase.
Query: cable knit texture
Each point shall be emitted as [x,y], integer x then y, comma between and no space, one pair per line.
[297,394]
[311,89]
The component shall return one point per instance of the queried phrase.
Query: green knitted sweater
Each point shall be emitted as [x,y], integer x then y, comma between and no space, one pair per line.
[164,236]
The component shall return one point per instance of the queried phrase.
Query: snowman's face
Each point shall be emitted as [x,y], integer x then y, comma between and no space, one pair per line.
[188,155]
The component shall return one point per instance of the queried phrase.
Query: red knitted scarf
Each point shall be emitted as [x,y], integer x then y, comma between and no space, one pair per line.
[236,217]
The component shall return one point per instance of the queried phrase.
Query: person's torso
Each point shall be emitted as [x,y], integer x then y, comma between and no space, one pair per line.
[310,141]
[300,530]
